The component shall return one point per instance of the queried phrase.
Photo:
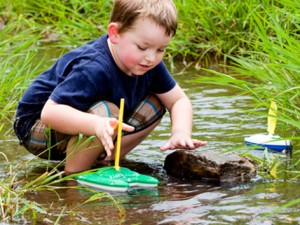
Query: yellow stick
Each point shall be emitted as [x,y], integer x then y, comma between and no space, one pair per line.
[271,119]
[119,135]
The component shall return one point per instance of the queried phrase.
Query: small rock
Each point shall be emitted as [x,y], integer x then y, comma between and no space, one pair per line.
[215,166]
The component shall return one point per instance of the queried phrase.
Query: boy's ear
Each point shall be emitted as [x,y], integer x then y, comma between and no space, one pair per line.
[113,32]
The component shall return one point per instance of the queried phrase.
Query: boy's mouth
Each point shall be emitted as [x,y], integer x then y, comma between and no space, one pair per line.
[145,67]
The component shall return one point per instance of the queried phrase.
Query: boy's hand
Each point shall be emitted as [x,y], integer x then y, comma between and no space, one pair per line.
[183,141]
[106,129]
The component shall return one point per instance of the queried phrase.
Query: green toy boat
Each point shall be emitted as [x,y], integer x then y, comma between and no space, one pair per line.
[110,179]
[117,178]
[136,179]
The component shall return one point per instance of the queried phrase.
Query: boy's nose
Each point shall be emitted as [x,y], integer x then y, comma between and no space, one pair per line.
[150,56]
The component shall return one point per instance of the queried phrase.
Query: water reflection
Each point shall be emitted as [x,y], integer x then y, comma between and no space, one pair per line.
[220,118]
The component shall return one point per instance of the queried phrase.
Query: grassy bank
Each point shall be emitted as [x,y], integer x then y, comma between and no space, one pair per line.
[270,70]
[258,39]
[208,31]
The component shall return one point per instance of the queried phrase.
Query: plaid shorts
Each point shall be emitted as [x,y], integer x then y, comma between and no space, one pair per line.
[50,144]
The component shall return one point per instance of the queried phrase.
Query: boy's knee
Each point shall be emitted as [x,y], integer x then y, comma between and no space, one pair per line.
[155,102]
[149,111]
[105,109]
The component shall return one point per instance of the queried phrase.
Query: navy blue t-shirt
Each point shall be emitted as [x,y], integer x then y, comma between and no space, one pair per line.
[84,76]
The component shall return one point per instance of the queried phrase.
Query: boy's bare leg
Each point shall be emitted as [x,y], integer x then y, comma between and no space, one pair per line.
[130,141]
[80,157]
[83,157]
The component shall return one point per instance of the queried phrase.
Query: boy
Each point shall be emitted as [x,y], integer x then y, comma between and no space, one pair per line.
[81,92]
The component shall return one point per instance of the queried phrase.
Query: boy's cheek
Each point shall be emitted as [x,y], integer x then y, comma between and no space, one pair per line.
[132,58]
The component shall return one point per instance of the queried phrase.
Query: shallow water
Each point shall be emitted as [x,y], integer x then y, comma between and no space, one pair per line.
[220,119]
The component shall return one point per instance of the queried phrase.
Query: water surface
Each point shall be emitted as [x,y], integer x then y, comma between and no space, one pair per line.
[220,118]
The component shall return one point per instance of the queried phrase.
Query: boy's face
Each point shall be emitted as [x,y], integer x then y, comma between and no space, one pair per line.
[140,48]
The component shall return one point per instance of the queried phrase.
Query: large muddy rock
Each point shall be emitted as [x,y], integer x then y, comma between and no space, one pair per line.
[214,166]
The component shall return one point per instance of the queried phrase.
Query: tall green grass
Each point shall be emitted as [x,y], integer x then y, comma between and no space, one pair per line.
[271,70]
[261,38]
[209,30]
[68,22]
[17,182]
[17,69]
[258,38]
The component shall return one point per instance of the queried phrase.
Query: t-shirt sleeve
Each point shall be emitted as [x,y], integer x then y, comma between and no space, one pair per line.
[81,89]
[162,79]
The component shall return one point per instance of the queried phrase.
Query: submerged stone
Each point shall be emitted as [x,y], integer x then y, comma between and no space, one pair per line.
[214,166]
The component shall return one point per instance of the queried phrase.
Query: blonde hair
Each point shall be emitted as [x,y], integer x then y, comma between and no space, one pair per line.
[162,12]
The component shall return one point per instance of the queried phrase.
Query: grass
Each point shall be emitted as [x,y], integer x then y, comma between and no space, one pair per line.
[271,70]
[17,69]
[209,30]
[70,23]
[257,39]
[17,182]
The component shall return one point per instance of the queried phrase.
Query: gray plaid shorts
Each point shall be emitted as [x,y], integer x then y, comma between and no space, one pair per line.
[50,144]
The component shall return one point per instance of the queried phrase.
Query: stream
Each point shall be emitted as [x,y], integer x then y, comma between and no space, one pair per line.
[219,118]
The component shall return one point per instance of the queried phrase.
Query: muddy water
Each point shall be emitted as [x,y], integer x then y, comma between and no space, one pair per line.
[220,118]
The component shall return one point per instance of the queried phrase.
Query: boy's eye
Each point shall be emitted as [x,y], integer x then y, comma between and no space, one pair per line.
[141,48]
[145,48]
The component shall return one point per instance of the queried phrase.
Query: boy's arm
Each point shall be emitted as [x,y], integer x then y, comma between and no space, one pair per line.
[68,120]
[180,108]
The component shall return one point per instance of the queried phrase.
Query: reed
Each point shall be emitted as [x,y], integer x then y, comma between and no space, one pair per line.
[270,70]
[16,66]
[17,182]
[67,22]
[208,29]
[259,39]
